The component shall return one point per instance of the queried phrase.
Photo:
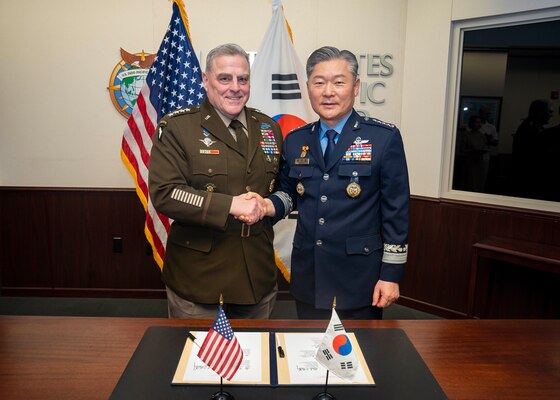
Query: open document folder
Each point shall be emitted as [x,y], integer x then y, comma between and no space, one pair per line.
[263,365]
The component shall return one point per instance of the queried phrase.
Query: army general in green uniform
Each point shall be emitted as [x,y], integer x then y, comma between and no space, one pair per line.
[203,162]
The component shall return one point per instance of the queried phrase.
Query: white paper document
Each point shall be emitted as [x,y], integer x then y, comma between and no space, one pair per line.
[303,368]
[251,370]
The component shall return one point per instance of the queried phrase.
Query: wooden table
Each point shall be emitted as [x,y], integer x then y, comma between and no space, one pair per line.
[542,257]
[83,358]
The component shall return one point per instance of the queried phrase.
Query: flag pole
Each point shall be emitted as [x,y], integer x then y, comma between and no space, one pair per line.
[325,395]
[221,395]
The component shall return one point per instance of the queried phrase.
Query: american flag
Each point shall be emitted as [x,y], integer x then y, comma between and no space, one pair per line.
[174,81]
[221,350]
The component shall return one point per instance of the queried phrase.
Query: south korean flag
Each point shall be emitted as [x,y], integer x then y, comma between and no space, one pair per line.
[335,351]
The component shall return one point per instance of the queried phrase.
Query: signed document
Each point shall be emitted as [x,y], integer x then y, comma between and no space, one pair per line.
[299,366]
[254,369]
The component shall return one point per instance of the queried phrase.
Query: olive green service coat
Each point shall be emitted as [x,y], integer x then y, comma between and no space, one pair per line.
[195,169]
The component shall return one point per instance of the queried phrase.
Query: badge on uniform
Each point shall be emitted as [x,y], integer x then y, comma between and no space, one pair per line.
[268,141]
[210,187]
[161,125]
[207,141]
[303,160]
[353,189]
[208,151]
[271,186]
[300,189]
[360,150]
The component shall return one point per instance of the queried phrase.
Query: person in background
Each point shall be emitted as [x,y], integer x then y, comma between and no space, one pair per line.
[347,177]
[203,162]
[473,147]
[527,150]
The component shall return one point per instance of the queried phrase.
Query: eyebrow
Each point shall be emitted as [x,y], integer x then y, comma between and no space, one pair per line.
[323,77]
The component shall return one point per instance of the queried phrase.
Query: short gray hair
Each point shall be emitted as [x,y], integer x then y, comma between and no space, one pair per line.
[328,53]
[228,49]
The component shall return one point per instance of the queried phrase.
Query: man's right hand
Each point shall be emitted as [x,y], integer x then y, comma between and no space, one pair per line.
[248,207]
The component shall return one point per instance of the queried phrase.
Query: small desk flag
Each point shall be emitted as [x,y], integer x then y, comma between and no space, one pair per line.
[221,350]
[335,351]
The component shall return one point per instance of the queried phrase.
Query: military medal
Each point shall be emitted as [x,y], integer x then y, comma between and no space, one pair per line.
[353,189]
[268,141]
[300,189]
[303,160]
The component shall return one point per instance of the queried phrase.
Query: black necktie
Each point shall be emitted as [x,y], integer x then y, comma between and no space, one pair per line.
[240,135]
[331,134]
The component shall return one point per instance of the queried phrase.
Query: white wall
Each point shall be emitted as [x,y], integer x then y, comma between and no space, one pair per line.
[59,125]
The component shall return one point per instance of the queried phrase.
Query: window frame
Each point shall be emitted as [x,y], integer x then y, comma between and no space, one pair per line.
[452,112]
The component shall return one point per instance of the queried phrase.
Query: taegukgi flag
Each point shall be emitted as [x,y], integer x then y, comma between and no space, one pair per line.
[279,90]
[335,352]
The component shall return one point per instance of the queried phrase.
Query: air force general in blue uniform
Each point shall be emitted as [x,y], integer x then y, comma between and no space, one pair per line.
[352,226]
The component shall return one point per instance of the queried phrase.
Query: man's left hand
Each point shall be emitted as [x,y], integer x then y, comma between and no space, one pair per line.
[385,293]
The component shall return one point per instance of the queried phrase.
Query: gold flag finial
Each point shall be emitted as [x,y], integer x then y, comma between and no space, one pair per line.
[334,302]
[221,300]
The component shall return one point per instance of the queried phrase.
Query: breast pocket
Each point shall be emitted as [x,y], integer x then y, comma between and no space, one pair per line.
[210,170]
[363,245]
[354,169]
[300,172]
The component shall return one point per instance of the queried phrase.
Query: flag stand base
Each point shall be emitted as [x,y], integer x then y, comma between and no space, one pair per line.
[324,396]
[222,396]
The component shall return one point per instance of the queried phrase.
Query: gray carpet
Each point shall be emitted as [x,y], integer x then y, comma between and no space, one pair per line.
[148,308]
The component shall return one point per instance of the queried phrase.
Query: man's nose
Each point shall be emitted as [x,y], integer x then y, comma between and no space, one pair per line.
[234,85]
[328,89]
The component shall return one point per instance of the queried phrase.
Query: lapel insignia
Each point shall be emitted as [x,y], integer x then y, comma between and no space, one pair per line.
[207,141]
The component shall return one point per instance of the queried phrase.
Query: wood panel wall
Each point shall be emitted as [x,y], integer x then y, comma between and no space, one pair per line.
[59,242]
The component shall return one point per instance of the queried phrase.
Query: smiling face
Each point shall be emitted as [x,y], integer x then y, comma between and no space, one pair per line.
[227,84]
[332,89]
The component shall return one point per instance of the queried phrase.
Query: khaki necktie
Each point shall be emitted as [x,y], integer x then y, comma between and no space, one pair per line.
[240,136]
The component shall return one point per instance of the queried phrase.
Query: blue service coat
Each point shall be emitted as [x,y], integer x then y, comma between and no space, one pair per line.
[343,245]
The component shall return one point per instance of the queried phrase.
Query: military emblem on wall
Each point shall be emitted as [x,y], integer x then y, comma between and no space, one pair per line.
[127,80]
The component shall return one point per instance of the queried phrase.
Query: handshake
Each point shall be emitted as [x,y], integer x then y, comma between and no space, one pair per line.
[250,208]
